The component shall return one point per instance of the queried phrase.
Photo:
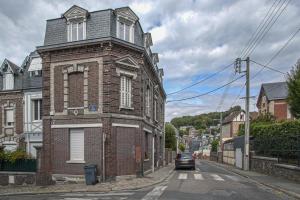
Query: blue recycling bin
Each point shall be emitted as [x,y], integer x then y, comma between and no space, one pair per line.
[90,172]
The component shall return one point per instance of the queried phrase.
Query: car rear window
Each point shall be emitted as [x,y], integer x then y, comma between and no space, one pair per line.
[187,156]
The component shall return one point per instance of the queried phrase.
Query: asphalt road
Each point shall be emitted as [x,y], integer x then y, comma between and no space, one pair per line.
[207,182]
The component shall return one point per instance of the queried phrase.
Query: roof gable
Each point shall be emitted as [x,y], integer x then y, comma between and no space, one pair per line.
[275,91]
[13,67]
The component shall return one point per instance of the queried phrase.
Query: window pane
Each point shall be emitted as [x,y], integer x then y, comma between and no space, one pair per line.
[80,31]
[127,32]
[36,110]
[121,30]
[74,31]
[9,81]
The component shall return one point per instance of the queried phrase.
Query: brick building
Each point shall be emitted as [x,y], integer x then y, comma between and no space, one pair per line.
[19,115]
[273,99]
[103,97]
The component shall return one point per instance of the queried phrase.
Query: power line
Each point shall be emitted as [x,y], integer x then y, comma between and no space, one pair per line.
[257,29]
[225,93]
[270,68]
[208,77]
[268,28]
[239,94]
[278,52]
[206,93]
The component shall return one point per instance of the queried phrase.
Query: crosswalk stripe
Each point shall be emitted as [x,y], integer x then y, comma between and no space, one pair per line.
[155,193]
[198,176]
[217,177]
[234,178]
[182,176]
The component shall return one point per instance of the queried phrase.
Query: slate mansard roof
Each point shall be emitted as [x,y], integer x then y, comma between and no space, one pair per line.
[275,91]
[99,24]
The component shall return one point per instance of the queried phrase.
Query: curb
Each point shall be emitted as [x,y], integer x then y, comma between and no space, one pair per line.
[170,172]
[289,193]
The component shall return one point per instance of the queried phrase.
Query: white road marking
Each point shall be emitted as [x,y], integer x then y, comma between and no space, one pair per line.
[155,193]
[198,176]
[234,178]
[217,177]
[97,194]
[182,176]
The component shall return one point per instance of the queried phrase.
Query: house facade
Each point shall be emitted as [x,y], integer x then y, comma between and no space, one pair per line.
[20,88]
[231,124]
[103,97]
[273,99]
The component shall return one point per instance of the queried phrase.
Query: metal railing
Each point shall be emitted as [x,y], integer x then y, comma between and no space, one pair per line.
[285,148]
[21,165]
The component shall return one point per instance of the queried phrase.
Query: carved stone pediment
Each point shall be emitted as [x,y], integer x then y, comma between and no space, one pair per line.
[128,61]
[75,12]
[127,13]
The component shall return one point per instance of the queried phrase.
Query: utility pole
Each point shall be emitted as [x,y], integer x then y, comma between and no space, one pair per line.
[247,122]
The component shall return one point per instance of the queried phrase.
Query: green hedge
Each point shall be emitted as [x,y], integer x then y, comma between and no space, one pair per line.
[277,140]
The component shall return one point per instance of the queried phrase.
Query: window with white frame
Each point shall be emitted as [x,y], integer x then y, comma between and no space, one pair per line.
[8,81]
[148,101]
[125,31]
[76,145]
[9,117]
[76,31]
[125,91]
[37,109]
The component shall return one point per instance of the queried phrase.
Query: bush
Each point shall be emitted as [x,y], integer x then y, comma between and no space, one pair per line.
[214,145]
[19,154]
[181,147]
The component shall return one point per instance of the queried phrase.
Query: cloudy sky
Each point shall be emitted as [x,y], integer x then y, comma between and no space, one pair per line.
[194,39]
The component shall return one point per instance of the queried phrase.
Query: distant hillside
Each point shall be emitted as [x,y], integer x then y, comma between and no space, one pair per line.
[202,121]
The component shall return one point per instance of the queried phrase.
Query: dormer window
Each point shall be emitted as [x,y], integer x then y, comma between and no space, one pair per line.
[76,31]
[8,81]
[76,23]
[125,31]
[126,20]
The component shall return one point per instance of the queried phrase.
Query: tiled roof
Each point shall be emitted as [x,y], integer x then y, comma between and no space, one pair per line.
[274,91]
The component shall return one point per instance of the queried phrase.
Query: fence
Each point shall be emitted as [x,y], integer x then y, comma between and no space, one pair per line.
[286,149]
[22,165]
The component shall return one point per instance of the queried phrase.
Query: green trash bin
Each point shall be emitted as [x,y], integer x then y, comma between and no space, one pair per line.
[90,172]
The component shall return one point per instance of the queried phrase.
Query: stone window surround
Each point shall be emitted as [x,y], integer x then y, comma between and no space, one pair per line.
[131,30]
[127,72]
[76,65]
[5,106]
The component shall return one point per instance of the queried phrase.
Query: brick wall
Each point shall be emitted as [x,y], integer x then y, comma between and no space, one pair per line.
[122,145]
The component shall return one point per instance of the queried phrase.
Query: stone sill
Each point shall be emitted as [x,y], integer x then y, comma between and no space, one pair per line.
[126,108]
[146,160]
[75,161]
[16,173]
[291,167]
[265,158]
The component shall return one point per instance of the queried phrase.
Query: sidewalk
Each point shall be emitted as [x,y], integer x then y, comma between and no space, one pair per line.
[125,184]
[277,183]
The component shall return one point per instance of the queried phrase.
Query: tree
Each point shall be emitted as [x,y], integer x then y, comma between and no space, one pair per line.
[170,137]
[181,147]
[293,83]
[214,145]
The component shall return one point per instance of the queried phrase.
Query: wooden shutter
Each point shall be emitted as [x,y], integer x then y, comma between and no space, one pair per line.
[76,144]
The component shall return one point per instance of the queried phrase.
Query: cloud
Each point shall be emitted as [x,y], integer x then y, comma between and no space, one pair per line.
[194,39]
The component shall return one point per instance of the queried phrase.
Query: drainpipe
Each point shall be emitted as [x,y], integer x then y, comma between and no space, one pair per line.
[103,156]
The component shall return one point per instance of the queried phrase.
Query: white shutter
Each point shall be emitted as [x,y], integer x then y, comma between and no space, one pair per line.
[9,81]
[122,90]
[76,144]
[9,116]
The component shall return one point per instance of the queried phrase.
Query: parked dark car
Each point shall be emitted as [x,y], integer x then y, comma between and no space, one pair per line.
[185,160]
